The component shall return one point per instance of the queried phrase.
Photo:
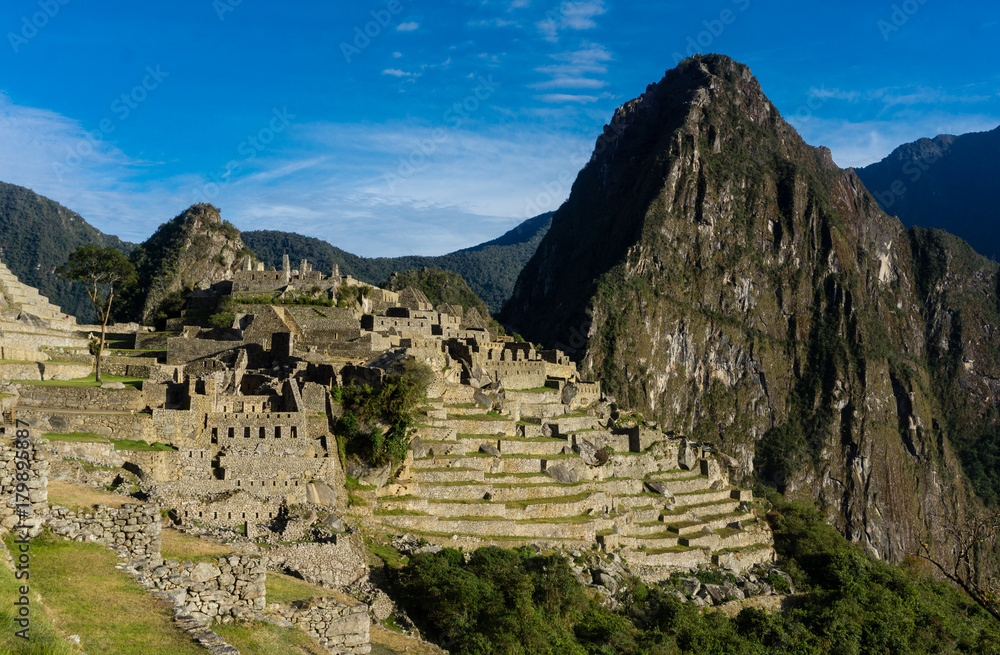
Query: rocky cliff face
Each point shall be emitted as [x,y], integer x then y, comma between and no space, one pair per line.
[186,253]
[723,276]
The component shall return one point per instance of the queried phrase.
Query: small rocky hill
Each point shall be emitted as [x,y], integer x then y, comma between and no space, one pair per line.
[184,254]
[36,237]
[727,279]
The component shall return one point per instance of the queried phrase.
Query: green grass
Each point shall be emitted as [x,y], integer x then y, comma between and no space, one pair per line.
[492,416]
[183,547]
[87,596]
[76,437]
[43,637]
[580,518]
[120,444]
[522,504]
[399,512]
[142,446]
[266,639]
[351,484]
[392,557]
[88,382]
[286,589]
[356,501]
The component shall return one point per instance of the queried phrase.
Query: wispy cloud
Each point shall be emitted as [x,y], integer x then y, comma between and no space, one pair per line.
[571,16]
[395,72]
[408,27]
[564,98]
[576,69]
[493,22]
[40,149]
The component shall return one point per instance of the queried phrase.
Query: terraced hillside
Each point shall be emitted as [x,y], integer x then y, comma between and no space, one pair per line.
[547,473]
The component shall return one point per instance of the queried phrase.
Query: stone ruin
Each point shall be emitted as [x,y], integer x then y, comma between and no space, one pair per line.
[515,447]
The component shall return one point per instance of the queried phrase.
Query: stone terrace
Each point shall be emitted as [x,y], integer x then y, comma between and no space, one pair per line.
[522,477]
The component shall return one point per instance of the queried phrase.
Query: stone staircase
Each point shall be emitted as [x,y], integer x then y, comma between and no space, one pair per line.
[522,477]
[22,298]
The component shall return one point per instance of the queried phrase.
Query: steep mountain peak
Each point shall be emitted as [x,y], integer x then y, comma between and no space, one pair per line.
[715,271]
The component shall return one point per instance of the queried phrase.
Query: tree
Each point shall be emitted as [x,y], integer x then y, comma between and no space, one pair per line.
[971,561]
[104,272]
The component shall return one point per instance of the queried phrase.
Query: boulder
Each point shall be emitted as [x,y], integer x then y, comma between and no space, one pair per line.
[204,571]
[687,456]
[113,385]
[587,452]
[483,401]
[563,474]
[489,449]
[320,493]
[569,394]
[660,488]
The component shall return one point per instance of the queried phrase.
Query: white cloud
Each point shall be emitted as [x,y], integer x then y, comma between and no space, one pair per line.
[397,55]
[407,27]
[395,72]
[571,16]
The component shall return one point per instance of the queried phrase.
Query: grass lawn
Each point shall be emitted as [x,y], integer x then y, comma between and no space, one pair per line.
[120,444]
[43,639]
[76,437]
[89,381]
[266,639]
[285,589]
[392,643]
[185,547]
[87,596]
[79,497]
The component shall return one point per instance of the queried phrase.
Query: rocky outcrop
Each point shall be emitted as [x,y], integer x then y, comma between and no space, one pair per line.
[184,254]
[720,275]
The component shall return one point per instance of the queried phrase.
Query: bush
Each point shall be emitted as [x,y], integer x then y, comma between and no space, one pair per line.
[367,409]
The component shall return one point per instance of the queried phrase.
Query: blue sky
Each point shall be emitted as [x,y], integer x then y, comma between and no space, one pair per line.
[412,126]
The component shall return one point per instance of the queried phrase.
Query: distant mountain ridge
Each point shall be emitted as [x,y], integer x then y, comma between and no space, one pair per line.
[947,183]
[490,268]
[36,236]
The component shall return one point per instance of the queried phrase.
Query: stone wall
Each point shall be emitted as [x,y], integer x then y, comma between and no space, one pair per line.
[136,427]
[232,586]
[343,629]
[113,400]
[35,490]
[276,467]
[182,351]
[278,432]
[334,564]
[136,528]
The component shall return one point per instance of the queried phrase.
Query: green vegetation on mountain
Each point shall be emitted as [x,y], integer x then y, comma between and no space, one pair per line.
[848,603]
[37,236]
[378,423]
[490,269]
[441,288]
